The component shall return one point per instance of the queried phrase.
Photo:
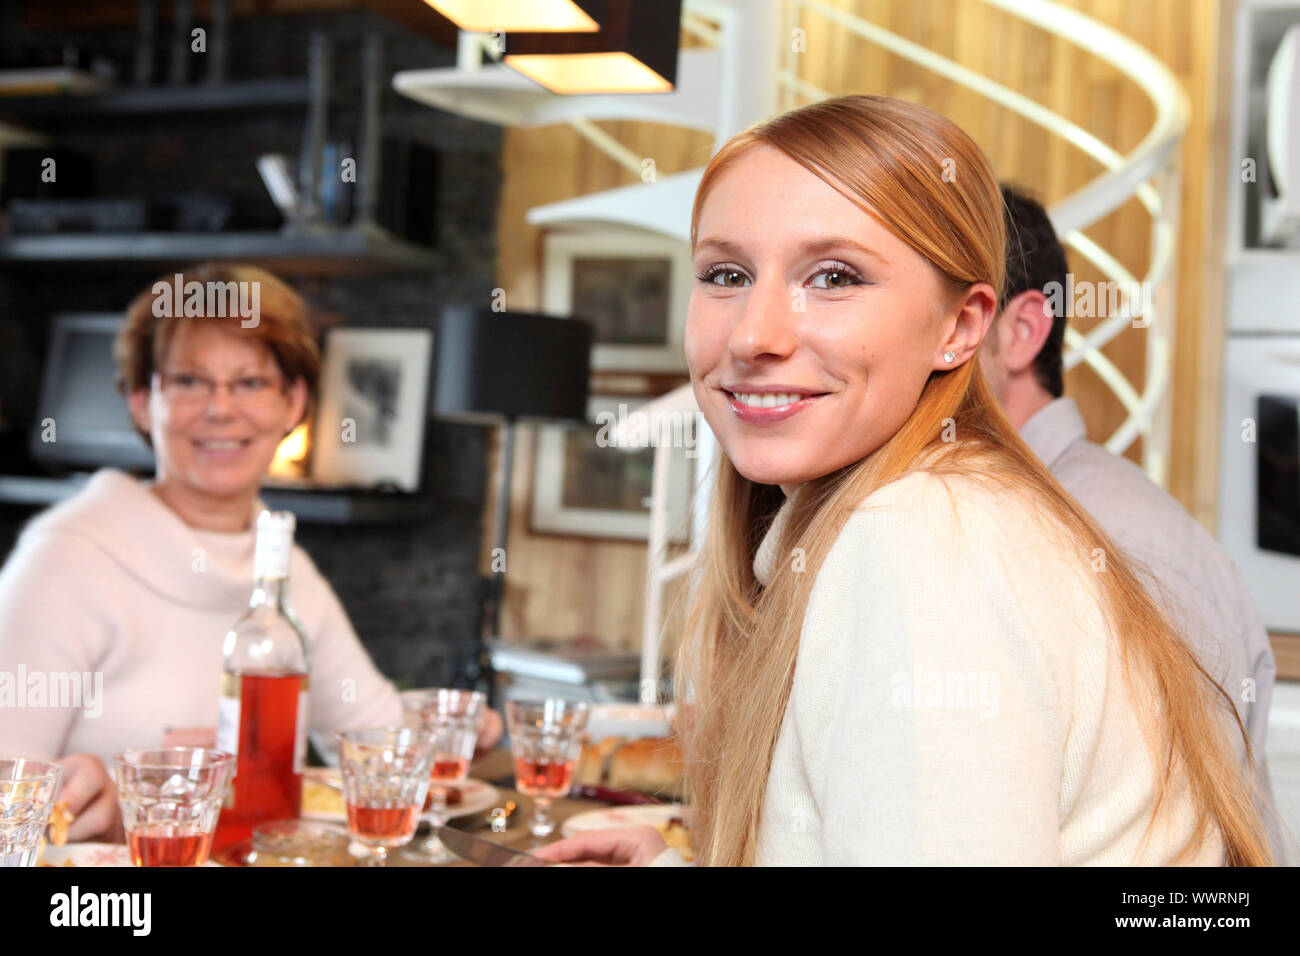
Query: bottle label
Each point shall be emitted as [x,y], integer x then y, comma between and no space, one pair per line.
[228,724]
[271,557]
[300,732]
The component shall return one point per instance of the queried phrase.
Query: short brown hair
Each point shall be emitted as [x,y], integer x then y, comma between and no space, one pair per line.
[283,323]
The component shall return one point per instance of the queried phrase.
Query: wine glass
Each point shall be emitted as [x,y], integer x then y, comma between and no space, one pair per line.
[452,717]
[545,738]
[385,779]
[170,799]
[27,790]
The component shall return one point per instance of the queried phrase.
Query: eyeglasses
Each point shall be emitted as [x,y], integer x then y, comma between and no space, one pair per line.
[248,391]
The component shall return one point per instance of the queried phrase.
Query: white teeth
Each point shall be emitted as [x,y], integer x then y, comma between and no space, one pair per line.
[220,445]
[768,400]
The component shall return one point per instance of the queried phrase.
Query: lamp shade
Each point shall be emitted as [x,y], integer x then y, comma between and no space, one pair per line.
[484,16]
[491,366]
[635,51]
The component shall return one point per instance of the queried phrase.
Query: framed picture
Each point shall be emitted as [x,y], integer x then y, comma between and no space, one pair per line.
[584,488]
[633,286]
[373,408]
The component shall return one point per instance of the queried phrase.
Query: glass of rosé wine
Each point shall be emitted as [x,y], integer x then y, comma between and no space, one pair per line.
[170,799]
[385,774]
[452,717]
[545,738]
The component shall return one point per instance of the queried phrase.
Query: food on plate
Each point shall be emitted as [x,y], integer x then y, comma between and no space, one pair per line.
[647,764]
[60,819]
[675,834]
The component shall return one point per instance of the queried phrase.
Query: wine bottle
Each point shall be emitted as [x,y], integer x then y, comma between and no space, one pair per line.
[262,714]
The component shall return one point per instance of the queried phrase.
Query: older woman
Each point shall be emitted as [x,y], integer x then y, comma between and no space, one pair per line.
[138,581]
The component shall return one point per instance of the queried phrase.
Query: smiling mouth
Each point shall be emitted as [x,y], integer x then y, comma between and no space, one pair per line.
[769,399]
[225,445]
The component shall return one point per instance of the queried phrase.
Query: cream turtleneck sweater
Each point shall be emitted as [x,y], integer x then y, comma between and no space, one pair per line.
[959,698]
[112,586]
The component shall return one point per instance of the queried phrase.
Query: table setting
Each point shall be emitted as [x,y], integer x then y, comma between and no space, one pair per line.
[403,796]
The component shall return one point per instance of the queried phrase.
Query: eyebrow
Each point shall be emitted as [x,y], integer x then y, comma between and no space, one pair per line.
[812,246]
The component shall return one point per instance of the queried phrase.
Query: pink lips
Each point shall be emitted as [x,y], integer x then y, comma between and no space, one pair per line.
[753,415]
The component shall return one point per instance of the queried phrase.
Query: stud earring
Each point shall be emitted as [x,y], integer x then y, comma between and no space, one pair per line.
[949,356]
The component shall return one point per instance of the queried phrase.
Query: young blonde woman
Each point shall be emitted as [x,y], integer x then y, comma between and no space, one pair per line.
[907,644]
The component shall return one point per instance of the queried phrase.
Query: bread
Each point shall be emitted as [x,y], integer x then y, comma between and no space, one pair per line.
[649,765]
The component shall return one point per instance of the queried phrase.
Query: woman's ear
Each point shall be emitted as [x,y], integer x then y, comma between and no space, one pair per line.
[297,395]
[137,400]
[968,326]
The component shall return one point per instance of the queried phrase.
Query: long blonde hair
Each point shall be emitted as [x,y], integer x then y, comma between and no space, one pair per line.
[927,182]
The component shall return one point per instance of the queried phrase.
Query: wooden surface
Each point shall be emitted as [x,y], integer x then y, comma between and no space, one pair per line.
[1286,651]
[567,587]
[558,586]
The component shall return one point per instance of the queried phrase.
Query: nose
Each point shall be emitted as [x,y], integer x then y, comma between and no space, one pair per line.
[221,403]
[767,327]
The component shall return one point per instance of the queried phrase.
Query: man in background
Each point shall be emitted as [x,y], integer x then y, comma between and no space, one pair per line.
[1183,568]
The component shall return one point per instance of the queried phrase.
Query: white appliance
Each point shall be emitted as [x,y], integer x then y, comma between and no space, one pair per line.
[1259,471]
[1259,474]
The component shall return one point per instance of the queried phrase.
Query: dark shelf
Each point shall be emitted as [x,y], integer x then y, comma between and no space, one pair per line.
[331,252]
[147,100]
[309,506]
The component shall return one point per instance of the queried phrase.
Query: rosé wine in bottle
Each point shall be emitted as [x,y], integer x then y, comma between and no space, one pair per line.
[262,715]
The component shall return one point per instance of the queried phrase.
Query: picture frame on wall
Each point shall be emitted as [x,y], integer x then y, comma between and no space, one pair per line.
[583,489]
[374,406]
[634,286]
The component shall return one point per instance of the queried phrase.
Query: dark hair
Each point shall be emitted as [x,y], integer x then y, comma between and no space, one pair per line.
[1035,258]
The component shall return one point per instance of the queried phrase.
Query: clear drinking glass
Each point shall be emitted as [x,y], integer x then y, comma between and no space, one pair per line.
[27,789]
[171,798]
[452,717]
[300,843]
[385,780]
[545,738]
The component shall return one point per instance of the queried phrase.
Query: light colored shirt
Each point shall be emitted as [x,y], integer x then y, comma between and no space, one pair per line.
[959,699]
[1183,568]
[112,586]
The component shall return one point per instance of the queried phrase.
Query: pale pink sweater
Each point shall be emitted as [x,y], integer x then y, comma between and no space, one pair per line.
[113,584]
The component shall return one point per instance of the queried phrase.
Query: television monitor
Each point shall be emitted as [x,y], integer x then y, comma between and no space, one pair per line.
[81,420]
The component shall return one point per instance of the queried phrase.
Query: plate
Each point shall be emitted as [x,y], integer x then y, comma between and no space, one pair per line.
[90,854]
[646,815]
[320,801]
